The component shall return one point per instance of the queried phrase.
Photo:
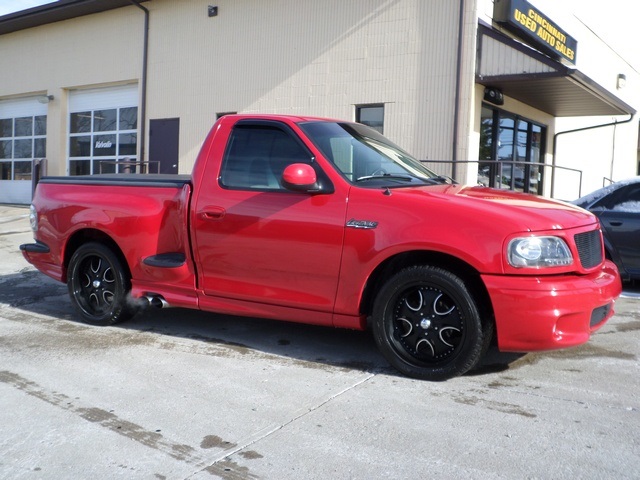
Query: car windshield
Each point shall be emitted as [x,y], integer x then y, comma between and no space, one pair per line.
[367,158]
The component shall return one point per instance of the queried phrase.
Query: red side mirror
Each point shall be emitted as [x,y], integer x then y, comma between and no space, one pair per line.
[300,177]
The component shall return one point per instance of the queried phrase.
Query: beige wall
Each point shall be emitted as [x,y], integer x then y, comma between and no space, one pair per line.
[311,58]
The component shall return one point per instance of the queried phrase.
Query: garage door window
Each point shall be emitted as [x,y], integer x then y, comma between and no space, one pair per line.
[103,141]
[22,139]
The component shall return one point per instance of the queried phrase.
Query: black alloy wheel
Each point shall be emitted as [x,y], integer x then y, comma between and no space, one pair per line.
[427,324]
[98,285]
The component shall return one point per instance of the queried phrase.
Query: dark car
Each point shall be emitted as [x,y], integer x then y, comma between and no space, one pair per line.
[618,208]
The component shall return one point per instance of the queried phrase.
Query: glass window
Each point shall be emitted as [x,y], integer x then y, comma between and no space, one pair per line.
[5,170]
[6,148]
[21,140]
[257,155]
[80,122]
[99,138]
[79,167]
[105,120]
[80,146]
[24,127]
[371,115]
[22,170]
[511,151]
[40,125]
[365,157]
[104,145]
[23,148]
[40,147]
[127,144]
[6,127]
[128,118]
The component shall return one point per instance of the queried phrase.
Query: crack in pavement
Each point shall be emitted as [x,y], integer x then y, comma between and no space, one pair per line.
[269,431]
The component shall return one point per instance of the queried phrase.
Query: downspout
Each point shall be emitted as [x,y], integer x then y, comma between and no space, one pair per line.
[456,107]
[555,141]
[143,80]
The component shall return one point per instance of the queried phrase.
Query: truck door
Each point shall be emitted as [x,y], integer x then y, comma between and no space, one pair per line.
[257,241]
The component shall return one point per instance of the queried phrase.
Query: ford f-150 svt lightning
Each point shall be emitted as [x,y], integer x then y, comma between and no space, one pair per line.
[327,222]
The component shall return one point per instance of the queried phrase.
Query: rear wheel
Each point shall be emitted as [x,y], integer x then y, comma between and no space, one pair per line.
[98,285]
[427,324]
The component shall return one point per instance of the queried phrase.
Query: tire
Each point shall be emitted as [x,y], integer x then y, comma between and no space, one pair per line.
[98,285]
[427,325]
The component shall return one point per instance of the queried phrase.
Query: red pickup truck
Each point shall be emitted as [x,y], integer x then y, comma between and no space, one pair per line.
[327,222]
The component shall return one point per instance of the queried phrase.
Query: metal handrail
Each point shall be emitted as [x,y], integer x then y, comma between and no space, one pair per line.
[136,167]
[499,164]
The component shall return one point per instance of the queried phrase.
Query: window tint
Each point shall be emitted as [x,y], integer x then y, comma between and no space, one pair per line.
[628,200]
[257,155]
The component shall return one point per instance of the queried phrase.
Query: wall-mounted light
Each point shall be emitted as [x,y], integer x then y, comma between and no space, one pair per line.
[212,11]
[44,98]
[621,81]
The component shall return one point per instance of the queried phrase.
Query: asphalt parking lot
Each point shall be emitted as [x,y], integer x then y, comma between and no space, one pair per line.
[177,394]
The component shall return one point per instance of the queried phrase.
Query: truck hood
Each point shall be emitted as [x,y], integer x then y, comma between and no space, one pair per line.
[523,212]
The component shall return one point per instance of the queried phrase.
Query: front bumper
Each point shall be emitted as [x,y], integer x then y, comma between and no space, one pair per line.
[551,312]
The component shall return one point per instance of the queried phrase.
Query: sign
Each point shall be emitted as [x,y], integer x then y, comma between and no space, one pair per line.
[527,22]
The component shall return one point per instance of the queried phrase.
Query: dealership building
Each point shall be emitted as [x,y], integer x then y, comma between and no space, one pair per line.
[514,94]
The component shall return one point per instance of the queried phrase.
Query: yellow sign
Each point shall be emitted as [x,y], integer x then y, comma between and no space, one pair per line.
[525,19]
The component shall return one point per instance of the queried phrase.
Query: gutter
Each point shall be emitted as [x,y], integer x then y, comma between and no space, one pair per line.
[456,106]
[555,142]
[143,80]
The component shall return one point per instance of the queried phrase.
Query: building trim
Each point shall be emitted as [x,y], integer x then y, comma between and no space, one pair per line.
[540,81]
[56,12]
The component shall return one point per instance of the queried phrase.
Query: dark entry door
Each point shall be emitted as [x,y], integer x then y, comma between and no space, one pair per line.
[164,135]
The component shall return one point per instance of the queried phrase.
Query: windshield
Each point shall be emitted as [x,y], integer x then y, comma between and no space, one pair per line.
[365,157]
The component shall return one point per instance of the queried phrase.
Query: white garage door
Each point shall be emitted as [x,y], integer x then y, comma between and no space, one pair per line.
[23,137]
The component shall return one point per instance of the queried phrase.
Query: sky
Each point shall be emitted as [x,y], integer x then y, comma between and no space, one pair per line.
[615,21]
[10,6]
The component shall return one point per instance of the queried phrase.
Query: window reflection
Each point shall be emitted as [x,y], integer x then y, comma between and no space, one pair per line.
[517,145]
[105,120]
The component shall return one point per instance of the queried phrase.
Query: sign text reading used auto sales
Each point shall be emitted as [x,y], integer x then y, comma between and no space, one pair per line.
[525,20]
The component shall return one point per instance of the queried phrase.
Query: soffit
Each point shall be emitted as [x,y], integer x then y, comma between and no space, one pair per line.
[525,74]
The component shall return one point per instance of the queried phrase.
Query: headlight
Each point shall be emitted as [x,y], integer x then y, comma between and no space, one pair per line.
[538,252]
[33,218]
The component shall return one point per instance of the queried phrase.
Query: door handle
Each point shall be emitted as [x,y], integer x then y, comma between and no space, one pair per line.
[212,213]
[615,223]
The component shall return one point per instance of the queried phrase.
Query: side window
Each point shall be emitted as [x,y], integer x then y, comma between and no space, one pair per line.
[628,200]
[257,155]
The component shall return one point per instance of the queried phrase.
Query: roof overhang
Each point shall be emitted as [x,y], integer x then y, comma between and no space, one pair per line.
[531,77]
[56,12]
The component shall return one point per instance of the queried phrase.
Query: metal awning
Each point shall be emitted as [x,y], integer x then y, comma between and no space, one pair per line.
[531,77]
[56,12]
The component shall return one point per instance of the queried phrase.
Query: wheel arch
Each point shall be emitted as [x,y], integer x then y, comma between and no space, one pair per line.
[466,272]
[86,235]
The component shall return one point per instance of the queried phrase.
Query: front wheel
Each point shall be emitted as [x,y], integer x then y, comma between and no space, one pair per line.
[427,325]
[98,285]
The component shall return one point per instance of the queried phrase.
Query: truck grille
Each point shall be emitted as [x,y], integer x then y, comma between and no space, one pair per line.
[589,248]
